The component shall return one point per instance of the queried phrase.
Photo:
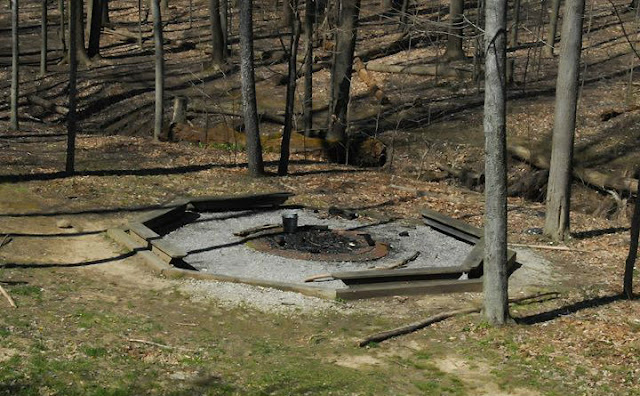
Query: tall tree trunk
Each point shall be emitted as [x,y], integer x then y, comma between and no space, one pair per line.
[552,28]
[164,7]
[496,308]
[78,36]
[456,24]
[627,290]
[308,66]
[15,64]
[247,77]
[105,13]
[516,23]
[283,165]
[217,39]
[140,24]
[94,26]
[224,25]
[43,36]
[287,12]
[341,72]
[404,14]
[159,49]
[63,33]
[556,223]
[75,7]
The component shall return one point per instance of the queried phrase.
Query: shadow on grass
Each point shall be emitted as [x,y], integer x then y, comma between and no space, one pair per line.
[569,309]
[70,265]
[596,233]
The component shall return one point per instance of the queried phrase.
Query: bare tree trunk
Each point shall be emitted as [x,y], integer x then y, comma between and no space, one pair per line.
[75,7]
[63,33]
[15,64]
[308,67]
[78,37]
[454,41]
[247,77]
[556,223]
[341,72]
[496,306]
[552,28]
[287,12]
[516,23]
[159,49]
[164,7]
[217,38]
[140,24]
[404,14]
[43,36]
[627,290]
[94,26]
[104,15]
[224,25]
[291,91]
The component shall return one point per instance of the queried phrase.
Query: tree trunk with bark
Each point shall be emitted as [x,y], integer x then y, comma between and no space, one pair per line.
[15,64]
[78,36]
[552,28]
[43,36]
[63,33]
[516,23]
[106,21]
[159,54]
[217,37]
[454,41]
[308,67]
[224,25]
[627,290]
[283,164]
[247,77]
[496,306]
[94,26]
[341,73]
[287,12]
[75,7]
[556,223]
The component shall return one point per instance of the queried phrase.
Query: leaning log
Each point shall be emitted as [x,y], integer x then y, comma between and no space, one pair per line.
[593,177]
[435,69]
[48,105]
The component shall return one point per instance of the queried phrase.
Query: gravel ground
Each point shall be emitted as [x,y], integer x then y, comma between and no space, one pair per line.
[263,299]
[211,235]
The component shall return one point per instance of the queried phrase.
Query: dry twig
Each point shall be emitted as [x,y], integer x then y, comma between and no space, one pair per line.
[8,297]
[400,263]
[156,344]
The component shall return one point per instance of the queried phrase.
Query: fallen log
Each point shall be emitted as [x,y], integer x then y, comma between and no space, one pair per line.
[593,177]
[48,105]
[436,69]
[385,335]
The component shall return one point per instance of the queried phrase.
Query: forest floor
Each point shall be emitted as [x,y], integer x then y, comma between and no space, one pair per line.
[91,320]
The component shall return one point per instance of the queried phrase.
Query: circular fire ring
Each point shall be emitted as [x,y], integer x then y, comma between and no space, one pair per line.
[317,243]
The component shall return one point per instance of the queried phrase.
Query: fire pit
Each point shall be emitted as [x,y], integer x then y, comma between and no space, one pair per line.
[319,243]
[243,239]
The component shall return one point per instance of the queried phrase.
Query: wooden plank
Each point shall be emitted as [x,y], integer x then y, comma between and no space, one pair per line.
[121,236]
[451,223]
[315,291]
[475,257]
[153,262]
[160,217]
[167,251]
[372,276]
[408,288]
[451,231]
[142,234]
[242,202]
